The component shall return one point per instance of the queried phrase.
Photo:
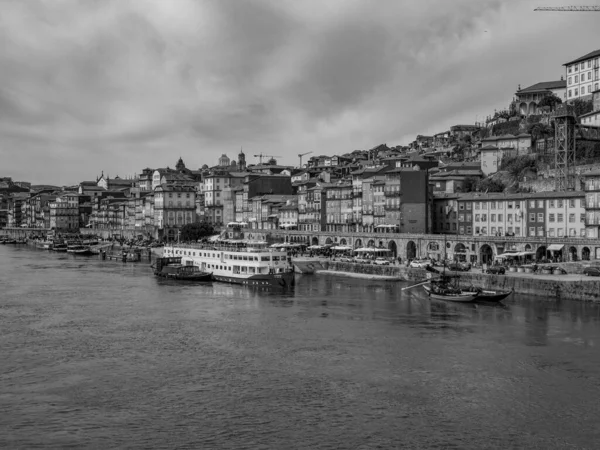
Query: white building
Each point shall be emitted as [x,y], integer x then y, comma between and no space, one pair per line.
[583,76]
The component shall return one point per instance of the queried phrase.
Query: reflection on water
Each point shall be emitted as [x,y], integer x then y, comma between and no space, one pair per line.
[102,354]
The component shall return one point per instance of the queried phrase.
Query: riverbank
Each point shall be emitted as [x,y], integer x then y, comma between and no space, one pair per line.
[569,287]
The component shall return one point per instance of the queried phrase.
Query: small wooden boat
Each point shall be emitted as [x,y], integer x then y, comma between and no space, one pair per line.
[171,267]
[79,249]
[490,295]
[450,294]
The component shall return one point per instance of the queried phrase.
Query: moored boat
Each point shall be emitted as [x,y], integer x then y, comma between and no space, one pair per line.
[79,249]
[171,267]
[491,295]
[236,260]
[449,293]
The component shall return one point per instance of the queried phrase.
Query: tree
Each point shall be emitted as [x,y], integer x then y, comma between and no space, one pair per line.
[581,107]
[550,101]
[195,231]
[490,185]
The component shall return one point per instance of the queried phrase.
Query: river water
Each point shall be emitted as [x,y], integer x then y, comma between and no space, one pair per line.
[100,354]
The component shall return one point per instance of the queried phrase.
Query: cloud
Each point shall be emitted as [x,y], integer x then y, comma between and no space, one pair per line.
[120,85]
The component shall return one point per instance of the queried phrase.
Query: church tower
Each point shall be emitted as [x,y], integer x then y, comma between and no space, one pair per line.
[241,161]
[180,165]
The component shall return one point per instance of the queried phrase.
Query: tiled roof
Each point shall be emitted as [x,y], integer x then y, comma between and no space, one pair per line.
[544,86]
[584,57]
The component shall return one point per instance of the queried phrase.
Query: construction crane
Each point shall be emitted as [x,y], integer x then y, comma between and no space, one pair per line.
[568,8]
[300,155]
[261,156]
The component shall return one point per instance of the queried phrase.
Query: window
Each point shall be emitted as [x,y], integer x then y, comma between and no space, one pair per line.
[469,217]
[560,218]
[461,218]
[551,218]
[453,227]
[469,206]
[551,203]
[532,203]
[492,205]
[531,231]
[461,206]
[571,218]
[561,232]
[576,80]
[477,205]
[540,217]
[540,231]
[484,217]
[469,230]
[589,78]
[510,205]
[582,217]
[572,203]
[551,232]
[540,203]
[570,80]
[518,231]
[493,230]
[493,217]
[570,93]
[477,230]
[576,92]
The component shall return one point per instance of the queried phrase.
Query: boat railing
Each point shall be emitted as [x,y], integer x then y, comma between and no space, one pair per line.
[227,248]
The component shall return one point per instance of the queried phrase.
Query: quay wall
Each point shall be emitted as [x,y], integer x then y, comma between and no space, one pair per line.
[587,290]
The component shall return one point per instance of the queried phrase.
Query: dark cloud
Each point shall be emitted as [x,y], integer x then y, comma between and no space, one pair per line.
[119,85]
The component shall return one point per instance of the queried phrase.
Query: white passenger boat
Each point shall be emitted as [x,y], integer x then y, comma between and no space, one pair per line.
[241,262]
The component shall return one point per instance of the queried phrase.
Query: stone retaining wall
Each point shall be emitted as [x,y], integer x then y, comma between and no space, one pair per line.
[554,288]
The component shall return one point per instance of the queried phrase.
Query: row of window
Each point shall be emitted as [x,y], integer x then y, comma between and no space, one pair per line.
[589,77]
[575,92]
[575,67]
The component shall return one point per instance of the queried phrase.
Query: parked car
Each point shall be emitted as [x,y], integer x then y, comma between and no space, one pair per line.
[362,260]
[346,259]
[420,263]
[459,266]
[496,270]
[592,271]
[382,262]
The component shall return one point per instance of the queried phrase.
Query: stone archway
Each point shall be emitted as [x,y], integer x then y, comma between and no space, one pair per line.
[486,254]
[541,252]
[460,252]
[342,241]
[328,241]
[314,241]
[527,247]
[433,250]
[523,108]
[371,243]
[358,243]
[411,250]
[585,254]
[380,244]
[572,254]
[393,248]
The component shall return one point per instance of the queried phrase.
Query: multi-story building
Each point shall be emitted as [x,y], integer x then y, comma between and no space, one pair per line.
[592,204]
[543,214]
[583,75]
[174,207]
[64,212]
[444,214]
[213,185]
[407,200]
[338,206]
[288,215]
[529,97]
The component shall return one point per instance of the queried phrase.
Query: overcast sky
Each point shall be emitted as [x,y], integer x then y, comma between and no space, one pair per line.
[120,85]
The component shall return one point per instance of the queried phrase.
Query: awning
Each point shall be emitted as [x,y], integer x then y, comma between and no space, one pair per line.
[214,238]
[555,247]
[341,247]
[232,224]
